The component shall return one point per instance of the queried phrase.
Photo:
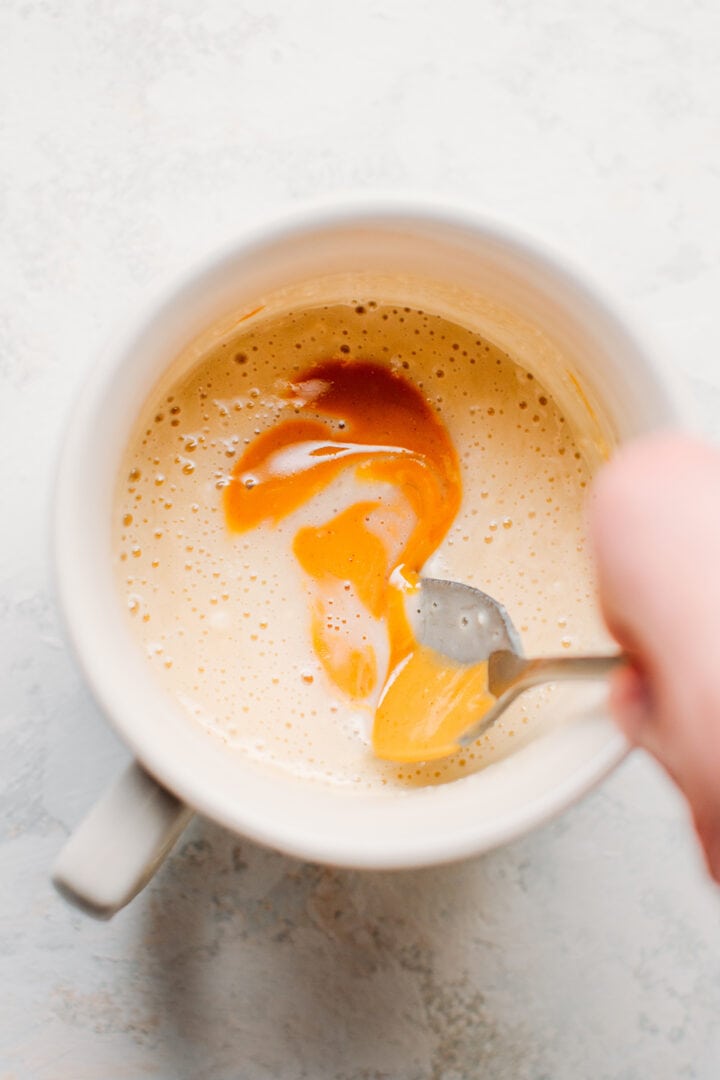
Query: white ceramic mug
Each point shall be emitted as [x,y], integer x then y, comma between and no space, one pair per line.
[518,296]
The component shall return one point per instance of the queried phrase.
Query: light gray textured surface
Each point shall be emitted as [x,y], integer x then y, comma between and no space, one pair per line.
[134,136]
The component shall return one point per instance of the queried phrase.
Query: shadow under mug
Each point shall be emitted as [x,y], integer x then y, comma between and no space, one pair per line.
[474,271]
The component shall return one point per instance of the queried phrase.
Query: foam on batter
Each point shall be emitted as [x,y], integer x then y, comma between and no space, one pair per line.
[223,616]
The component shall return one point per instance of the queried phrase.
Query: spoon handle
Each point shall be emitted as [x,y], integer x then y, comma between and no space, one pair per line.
[557,668]
[510,675]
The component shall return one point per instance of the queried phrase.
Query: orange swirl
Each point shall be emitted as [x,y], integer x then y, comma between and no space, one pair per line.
[361,416]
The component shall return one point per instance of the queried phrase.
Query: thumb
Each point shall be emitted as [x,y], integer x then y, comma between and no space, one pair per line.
[655,525]
[629,702]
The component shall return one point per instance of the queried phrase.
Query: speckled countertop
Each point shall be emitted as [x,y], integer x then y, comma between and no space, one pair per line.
[134,136]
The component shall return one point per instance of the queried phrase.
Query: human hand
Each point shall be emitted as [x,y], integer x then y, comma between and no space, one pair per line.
[655,525]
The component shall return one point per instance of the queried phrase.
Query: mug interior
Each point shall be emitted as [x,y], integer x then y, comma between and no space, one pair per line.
[470,272]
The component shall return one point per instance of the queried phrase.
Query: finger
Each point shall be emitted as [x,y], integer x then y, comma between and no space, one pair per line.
[629,702]
[655,524]
[708,830]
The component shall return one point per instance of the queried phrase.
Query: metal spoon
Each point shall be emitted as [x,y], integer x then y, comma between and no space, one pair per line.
[468,626]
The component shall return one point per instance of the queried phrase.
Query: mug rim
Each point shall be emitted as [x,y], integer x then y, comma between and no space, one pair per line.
[308,219]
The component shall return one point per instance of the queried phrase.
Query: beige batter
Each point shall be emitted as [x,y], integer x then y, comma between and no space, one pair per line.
[223,617]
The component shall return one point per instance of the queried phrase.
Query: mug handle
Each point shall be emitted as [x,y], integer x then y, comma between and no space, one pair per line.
[118,847]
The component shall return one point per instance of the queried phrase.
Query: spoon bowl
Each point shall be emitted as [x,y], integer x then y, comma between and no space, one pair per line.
[470,627]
